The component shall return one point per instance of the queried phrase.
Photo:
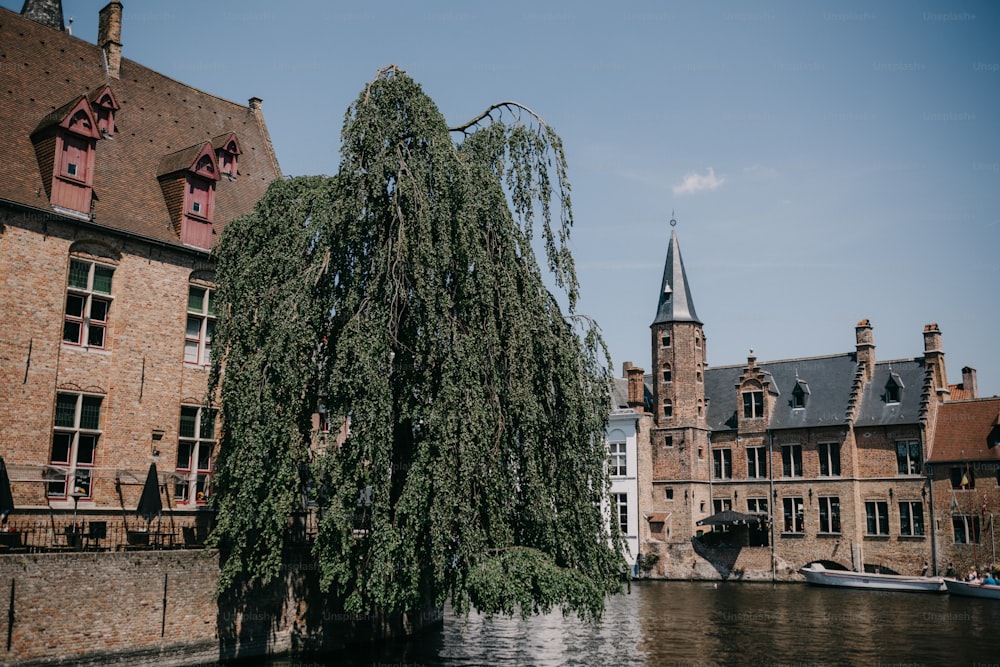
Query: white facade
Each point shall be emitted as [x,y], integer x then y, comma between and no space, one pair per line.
[620,439]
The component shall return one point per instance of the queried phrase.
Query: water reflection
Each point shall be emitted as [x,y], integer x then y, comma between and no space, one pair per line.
[698,623]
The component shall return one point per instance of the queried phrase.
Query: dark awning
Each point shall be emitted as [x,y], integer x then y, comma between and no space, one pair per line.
[731,518]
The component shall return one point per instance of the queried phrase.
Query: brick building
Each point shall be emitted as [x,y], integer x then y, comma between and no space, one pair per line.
[773,465]
[115,181]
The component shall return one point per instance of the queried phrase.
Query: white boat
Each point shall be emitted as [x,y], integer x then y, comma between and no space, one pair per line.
[818,575]
[972,590]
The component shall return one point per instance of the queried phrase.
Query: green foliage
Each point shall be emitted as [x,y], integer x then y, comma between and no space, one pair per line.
[404,295]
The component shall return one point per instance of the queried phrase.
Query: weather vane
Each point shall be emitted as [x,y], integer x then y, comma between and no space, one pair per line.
[673,220]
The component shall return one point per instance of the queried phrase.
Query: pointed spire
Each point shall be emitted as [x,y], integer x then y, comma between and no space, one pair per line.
[46,12]
[676,304]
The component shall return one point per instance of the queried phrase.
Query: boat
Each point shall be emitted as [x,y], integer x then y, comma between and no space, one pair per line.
[818,575]
[972,590]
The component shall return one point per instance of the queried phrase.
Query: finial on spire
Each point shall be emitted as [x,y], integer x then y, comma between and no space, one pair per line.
[673,220]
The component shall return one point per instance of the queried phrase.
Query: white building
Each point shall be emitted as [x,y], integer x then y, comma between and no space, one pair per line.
[620,439]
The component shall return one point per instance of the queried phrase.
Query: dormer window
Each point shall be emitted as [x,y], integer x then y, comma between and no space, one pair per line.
[753,404]
[104,105]
[800,394]
[65,146]
[893,389]
[187,179]
[227,152]
[993,440]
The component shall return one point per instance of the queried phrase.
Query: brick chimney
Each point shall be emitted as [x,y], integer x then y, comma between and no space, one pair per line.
[636,388]
[934,357]
[109,36]
[969,382]
[46,12]
[866,347]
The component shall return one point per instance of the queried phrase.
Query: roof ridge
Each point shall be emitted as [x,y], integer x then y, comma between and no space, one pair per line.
[782,361]
[99,53]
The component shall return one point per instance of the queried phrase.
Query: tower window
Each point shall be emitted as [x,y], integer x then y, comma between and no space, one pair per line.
[666,373]
[668,408]
[665,340]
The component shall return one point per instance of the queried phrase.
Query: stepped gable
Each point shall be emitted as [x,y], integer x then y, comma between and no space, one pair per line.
[45,69]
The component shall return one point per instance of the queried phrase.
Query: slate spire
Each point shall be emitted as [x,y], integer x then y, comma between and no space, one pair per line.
[46,12]
[676,304]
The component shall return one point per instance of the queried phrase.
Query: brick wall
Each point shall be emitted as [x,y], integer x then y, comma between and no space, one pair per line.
[140,373]
[160,608]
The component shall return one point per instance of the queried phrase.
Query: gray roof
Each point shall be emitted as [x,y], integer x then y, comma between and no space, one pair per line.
[827,383]
[675,304]
[876,411]
[619,393]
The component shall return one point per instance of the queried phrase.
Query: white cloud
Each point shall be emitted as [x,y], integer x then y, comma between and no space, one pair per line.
[695,182]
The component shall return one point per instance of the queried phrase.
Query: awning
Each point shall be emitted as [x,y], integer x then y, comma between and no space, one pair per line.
[731,518]
[657,517]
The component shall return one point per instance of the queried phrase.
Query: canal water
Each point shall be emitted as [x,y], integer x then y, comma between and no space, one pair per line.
[701,624]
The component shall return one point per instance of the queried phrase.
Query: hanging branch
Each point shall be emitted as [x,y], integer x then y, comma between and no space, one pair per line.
[404,295]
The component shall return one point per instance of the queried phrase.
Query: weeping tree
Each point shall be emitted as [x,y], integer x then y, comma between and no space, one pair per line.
[404,296]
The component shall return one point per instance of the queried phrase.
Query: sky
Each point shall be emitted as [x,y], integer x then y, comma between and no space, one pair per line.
[825,162]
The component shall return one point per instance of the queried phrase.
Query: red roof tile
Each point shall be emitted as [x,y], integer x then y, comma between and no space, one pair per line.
[959,392]
[44,70]
[964,430]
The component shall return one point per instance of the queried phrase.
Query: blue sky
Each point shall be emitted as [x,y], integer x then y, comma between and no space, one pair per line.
[826,162]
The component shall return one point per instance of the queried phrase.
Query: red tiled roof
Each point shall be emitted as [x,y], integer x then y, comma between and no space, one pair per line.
[45,70]
[959,393]
[963,429]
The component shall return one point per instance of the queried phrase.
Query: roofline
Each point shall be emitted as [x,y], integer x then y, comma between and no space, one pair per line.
[59,217]
[816,358]
[134,62]
[781,361]
[978,399]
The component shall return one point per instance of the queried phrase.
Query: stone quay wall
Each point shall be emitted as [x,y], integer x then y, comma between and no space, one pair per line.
[162,608]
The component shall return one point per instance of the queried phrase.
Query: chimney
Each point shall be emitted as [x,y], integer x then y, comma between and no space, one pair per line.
[934,357]
[46,12]
[109,36]
[969,382]
[866,347]
[636,388]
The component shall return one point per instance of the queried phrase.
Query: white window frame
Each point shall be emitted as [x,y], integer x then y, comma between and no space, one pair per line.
[88,297]
[757,462]
[794,460]
[908,509]
[829,515]
[618,458]
[793,509]
[81,474]
[826,456]
[880,529]
[199,328]
[194,480]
